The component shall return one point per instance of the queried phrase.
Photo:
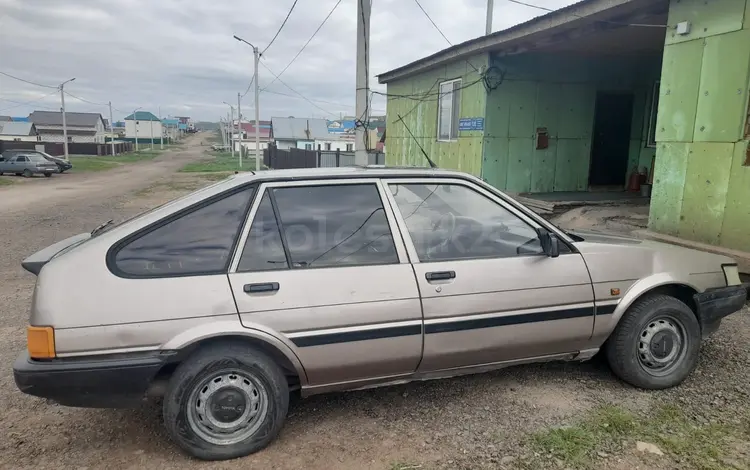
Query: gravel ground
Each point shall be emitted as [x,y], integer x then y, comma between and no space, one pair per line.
[480,421]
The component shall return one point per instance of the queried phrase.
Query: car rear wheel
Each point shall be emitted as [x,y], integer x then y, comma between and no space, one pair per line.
[225,401]
[48,175]
[656,344]
[27,173]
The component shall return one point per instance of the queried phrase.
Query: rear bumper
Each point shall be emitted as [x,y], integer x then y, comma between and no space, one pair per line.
[715,304]
[112,382]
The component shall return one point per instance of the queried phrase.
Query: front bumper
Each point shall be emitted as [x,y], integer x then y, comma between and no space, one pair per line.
[715,304]
[113,382]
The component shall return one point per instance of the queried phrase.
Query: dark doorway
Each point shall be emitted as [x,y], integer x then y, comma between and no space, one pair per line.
[609,150]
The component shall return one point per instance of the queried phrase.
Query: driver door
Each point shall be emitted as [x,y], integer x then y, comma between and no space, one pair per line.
[489,293]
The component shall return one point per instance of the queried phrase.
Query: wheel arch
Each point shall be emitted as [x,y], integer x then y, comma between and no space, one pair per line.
[190,341]
[663,283]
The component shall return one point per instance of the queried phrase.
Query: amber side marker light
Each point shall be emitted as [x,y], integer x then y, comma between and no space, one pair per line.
[40,341]
[614,291]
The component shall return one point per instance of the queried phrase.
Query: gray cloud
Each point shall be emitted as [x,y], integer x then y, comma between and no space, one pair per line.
[179,54]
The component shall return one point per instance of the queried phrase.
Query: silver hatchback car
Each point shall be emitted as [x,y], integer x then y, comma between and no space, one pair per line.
[226,300]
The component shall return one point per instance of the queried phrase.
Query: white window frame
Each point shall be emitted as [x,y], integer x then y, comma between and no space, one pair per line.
[453,110]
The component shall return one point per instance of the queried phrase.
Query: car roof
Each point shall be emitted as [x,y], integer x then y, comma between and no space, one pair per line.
[370,171]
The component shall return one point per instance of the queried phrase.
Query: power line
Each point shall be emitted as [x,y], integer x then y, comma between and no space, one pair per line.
[28,102]
[86,101]
[308,42]
[295,91]
[311,99]
[280,27]
[433,23]
[441,32]
[538,7]
[27,81]
[248,87]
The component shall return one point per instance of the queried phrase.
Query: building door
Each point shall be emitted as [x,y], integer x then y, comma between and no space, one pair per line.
[609,151]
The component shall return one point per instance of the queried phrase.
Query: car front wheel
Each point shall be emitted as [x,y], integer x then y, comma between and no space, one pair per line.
[225,401]
[48,175]
[656,343]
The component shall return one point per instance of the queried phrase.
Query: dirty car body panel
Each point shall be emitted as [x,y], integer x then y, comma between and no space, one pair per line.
[348,278]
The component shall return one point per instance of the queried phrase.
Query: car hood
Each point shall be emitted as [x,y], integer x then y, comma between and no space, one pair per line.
[612,257]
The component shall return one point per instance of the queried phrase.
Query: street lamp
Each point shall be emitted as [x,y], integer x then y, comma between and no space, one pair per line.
[65,126]
[135,125]
[256,55]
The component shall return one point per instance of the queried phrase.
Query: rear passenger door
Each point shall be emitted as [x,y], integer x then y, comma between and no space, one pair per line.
[489,293]
[319,264]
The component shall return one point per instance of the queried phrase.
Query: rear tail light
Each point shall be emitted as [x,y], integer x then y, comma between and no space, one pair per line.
[40,341]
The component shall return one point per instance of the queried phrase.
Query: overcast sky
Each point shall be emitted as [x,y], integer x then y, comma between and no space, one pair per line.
[179,54]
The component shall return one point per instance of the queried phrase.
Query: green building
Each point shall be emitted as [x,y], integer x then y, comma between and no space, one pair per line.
[579,98]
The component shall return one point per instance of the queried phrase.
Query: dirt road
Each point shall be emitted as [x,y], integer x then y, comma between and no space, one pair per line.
[496,420]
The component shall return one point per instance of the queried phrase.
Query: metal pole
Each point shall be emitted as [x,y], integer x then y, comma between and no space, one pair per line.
[161,128]
[135,123]
[490,8]
[231,128]
[362,84]
[65,124]
[239,125]
[111,129]
[151,129]
[257,111]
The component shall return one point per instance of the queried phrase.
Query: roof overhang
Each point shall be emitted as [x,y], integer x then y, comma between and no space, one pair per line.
[545,32]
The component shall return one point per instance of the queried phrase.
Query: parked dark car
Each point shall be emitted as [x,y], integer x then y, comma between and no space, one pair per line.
[62,165]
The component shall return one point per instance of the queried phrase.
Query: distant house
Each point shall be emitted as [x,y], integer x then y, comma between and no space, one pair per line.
[81,127]
[143,125]
[18,131]
[248,135]
[301,133]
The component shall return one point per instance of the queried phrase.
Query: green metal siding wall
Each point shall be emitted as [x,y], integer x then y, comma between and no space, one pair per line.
[701,188]
[559,93]
[421,118]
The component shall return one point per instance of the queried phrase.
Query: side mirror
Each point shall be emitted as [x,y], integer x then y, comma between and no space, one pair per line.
[550,243]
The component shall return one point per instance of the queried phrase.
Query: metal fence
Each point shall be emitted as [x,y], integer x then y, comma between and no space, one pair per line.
[299,158]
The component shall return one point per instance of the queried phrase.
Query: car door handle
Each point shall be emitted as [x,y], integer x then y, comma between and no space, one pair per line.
[440,275]
[262,287]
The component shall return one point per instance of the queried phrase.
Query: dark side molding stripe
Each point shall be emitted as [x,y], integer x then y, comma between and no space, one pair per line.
[361,335]
[549,315]
[457,325]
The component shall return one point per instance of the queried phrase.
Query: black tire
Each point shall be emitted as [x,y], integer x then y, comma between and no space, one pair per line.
[27,173]
[47,175]
[18,174]
[193,377]
[629,356]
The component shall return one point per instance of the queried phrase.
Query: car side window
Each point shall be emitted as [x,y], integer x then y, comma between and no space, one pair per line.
[336,225]
[263,249]
[196,243]
[21,159]
[454,222]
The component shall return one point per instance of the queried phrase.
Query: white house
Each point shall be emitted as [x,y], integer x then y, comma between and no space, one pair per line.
[143,125]
[81,127]
[300,133]
[18,131]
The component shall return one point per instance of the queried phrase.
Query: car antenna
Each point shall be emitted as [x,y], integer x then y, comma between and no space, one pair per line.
[432,164]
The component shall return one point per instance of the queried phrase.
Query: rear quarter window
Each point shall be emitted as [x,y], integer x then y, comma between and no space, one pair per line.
[198,242]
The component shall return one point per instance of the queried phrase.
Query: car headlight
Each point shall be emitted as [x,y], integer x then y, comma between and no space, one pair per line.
[731,274]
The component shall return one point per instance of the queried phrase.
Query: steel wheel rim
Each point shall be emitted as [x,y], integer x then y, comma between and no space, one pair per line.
[662,345]
[207,405]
